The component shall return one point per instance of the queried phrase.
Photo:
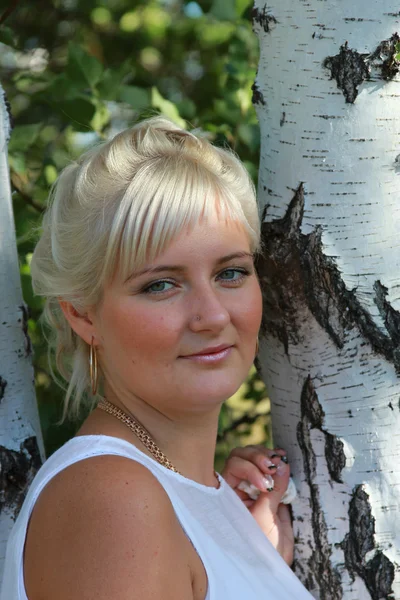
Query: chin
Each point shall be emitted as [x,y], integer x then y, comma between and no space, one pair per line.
[216,390]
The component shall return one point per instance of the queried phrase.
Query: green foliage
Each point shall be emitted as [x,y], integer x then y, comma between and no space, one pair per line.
[74,72]
[397,56]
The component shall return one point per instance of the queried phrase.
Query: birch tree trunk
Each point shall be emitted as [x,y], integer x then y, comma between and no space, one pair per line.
[21,446]
[327,95]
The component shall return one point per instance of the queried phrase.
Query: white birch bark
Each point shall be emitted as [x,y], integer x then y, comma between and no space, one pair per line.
[329,182]
[21,446]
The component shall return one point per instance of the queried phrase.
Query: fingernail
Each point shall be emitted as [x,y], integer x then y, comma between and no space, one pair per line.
[275,455]
[269,483]
[269,464]
[284,459]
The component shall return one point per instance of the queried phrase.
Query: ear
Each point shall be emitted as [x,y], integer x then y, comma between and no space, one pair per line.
[82,324]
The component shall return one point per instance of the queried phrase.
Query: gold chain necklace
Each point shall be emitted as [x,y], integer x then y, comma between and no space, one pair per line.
[142,433]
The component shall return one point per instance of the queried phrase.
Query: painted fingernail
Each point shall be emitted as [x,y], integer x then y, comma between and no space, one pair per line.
[281,469]
[269,483]
[284,459]
[275,455]
[269,464]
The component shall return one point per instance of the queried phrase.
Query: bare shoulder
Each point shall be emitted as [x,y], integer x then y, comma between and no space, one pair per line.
[105,528]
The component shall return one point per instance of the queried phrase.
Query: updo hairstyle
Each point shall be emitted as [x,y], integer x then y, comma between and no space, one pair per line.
[117,207]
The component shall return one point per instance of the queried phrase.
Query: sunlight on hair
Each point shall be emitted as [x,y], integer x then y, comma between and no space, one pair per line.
[118,206]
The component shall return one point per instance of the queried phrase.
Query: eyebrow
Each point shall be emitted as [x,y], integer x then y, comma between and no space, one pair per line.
[181,268]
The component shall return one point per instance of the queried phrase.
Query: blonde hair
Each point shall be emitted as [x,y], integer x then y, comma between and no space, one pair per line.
[118,206]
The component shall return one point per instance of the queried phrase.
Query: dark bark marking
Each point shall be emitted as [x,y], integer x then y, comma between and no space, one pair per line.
[3,385]
[327,578]
[10,115]
[296,274]
[335,456]
[17,470]
[390,316]
[264,18]
[257,97]
[27,341]
[310,406]
[280,260]
[283,119]
[360,538]
[383,58]
[378,572]
[379,576]
[349,70]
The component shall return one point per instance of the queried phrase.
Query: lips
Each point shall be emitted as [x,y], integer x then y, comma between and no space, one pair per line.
[212,356]
[209,351]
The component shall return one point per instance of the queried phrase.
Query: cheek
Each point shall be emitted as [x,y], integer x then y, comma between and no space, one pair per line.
[249,312]
[137,331]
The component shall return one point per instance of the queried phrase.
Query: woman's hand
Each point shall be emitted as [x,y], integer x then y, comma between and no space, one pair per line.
[254,463]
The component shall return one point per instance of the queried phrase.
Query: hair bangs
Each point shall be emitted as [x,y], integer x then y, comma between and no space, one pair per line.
[170,205]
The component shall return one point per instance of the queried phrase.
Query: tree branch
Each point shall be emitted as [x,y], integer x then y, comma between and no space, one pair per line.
[8,11]
[249,420]
[26,198]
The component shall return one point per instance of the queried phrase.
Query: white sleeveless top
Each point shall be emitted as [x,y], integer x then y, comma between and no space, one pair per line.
[239,560]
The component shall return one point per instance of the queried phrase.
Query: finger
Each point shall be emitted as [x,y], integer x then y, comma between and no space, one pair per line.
[282,453]
[271,501]
[250,450]
[242,495]
[284,515]
[238,469]
[248,503]
[239,450]
[265,459]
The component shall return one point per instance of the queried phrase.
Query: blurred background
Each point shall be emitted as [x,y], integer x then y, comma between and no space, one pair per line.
[78,71]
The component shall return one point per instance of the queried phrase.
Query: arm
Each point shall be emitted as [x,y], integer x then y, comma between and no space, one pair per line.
[105,528]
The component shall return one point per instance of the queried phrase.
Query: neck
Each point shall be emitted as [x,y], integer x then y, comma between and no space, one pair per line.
[188,440]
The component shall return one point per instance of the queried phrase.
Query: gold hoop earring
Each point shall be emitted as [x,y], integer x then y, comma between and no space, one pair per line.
[93,368]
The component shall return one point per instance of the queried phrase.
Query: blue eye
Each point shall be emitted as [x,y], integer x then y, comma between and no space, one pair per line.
[158,287]
[234,275]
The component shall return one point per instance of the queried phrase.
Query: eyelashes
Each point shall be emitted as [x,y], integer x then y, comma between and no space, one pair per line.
[232,277]
[149,289]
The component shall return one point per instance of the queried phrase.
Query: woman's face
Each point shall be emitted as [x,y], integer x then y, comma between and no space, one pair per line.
[181,333]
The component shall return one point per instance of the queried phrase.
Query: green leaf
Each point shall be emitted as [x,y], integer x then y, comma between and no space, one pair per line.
[17,163]
[241,6]
[187,108]
[249,135]
[135,96]
[7,36]
[60,88]
[109,85]
[83,68]
[166,107]
[50,173]
[79,112]
[23,136]
[214,33]
[101,117]
[224,10]
[27,292]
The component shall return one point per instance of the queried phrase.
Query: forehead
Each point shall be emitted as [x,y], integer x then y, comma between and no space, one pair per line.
[207,238]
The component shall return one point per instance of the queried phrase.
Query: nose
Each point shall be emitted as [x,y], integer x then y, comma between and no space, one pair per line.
[208,311]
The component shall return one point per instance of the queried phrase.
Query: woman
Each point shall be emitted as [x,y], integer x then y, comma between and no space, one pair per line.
[146,261]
